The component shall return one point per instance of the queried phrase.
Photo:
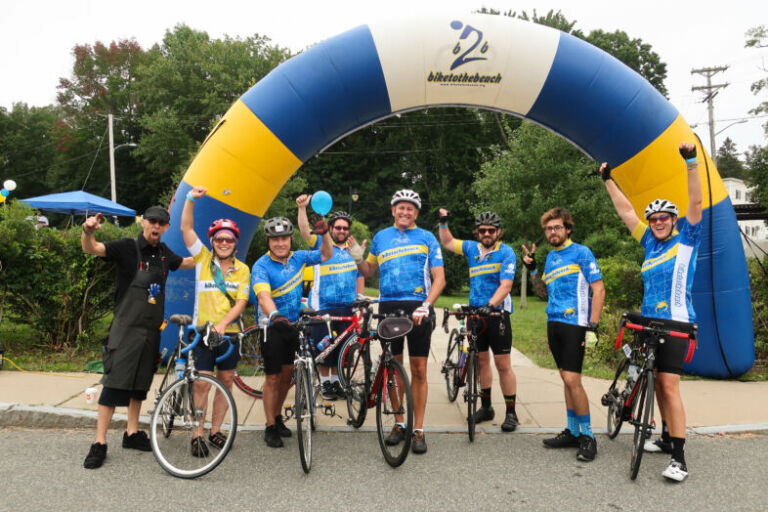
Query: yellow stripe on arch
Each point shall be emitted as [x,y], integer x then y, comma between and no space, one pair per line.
[242,163]
[658,171]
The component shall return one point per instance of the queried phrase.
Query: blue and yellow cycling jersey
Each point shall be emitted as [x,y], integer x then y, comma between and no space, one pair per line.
[486,272]
[335,281]
[668,271]
[284,282]
[568,272]
[405,259]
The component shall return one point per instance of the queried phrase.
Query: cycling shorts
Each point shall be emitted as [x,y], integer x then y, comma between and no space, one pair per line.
[420,337]
[496,334]
[112,397]
[205,359]
[670,355]
[318,332]
[280,348]
[566,342]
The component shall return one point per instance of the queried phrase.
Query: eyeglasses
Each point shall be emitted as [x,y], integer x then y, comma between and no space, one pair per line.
[552,229]
[159,222]
[489,231]
[224,240]
[341,228]
[659,218]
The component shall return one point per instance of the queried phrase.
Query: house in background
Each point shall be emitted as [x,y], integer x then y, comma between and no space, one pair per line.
[755,229]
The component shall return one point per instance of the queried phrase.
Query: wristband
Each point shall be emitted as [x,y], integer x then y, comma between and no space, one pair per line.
[533,272]
[86,231]
[692,160]
[443,225]
[189,196]
[426,304]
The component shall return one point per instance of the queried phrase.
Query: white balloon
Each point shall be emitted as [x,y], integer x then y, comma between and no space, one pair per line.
[9,184]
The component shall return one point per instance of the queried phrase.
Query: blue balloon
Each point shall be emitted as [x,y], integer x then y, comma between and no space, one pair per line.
[321,202]
[5,193]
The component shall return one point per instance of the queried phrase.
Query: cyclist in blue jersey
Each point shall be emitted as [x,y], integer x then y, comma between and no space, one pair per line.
[492,267]
[411,278]
[276,280]
[570,273]
[336,284]
[671,247]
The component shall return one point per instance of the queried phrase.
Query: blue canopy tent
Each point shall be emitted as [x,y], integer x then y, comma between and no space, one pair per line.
[78,203]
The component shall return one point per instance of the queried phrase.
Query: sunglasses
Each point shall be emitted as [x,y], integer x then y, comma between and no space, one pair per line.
[552,229]
[489,231]
[659,218]
[341,228]
[159,222]
[224,240]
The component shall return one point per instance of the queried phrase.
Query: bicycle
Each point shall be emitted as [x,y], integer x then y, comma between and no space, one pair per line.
[249,374]
[462,362]
[634,403]
[385,386]
[177,419]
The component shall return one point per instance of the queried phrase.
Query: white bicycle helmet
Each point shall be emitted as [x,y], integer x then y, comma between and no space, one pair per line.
[278,226]
[661,205]
[406,195]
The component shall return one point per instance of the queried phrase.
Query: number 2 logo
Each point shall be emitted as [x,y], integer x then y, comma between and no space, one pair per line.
[463,58]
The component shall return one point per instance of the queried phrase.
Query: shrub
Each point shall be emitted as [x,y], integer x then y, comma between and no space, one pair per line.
[759,285]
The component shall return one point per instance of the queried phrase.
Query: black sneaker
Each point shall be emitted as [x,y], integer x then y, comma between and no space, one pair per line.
[587,449]
[281,428]
[199,448]
[562,440]
[327,391]
[418,442]
[272,437]
[484,414]
[339,391]
[395,437]
[96,456]
[510,422]
[137,441]
[658,446]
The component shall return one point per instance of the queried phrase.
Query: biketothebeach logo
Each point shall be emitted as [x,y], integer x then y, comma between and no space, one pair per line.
[470,47]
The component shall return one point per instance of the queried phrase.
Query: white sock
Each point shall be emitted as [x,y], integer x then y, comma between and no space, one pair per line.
[334,378]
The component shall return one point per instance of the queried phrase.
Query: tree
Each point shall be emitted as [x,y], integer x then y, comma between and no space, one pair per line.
[757,37]
[727,160]
[757,173]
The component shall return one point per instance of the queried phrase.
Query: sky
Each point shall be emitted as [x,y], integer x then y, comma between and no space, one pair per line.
[37,37]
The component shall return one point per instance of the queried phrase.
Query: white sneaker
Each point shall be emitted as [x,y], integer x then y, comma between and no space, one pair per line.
[675,471]
[657,446]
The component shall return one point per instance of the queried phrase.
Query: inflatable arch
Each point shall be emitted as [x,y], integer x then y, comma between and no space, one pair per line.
[556,80]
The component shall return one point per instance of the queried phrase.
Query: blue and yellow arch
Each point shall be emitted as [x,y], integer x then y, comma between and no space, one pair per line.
[494,62]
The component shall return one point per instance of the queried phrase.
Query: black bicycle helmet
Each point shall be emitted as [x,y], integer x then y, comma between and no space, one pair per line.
[488,219]
[278,226]
[339,215]
[661,205]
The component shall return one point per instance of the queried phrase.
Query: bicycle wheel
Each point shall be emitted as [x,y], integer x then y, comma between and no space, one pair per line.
[249,374]
[302,405]
[394,402]
[451,366]
[171,441]
[357,386]
[470,394]
[643,416]
[615,403]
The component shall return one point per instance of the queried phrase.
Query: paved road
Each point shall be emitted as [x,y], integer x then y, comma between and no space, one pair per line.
[42,469]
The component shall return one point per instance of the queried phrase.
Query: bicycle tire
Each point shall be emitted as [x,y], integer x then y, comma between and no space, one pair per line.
[302,405]
[451,365]
[394,398]
[174,451]
[471,393]
[643,422]
[358,384]
[615,404]
[249,374]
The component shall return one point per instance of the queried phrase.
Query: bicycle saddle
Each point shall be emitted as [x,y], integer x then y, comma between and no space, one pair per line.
[180,319]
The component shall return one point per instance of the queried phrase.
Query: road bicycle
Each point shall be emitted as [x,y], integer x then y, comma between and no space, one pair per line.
[249,374]
[179,418]
[383,384]
[634,402]
[461,367]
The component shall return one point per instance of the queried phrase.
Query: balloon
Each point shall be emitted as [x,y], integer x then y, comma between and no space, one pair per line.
[321,202]
[5,192]
[2,199]
[10,185]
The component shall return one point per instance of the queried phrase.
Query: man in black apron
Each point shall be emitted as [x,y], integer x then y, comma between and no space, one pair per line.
[131,353]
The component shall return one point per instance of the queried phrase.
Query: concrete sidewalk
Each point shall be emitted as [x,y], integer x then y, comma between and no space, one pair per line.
[58,400]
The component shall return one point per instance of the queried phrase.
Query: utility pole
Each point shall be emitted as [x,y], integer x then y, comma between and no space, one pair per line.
[710,91]
[110,120]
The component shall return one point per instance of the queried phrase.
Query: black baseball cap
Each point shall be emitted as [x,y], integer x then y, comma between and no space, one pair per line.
[157,212]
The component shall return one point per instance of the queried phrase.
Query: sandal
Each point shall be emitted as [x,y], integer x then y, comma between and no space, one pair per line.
[218,440]
[199,448]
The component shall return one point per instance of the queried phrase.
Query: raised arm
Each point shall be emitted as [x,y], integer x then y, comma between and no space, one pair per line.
[529,260]
[188,216]
[620,202]
[695,196]
[89,244]
[446,238]
[304,228]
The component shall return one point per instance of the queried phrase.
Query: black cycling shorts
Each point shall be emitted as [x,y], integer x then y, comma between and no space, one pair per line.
[319,331]
[205,358]
[670,355]
[280,348]
[495,333]
[420,337]
[566,342]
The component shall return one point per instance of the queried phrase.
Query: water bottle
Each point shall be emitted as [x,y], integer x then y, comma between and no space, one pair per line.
[324,343]
[375,367]
[463,356]
[632,372]
[181,365]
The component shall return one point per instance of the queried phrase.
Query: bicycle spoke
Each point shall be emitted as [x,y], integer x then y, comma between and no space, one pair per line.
[394,404]
[249,374]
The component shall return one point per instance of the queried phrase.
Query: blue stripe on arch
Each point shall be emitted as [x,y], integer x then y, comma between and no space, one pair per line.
[322,93]
[600,104]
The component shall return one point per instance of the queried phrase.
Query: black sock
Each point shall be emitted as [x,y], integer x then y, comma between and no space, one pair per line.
[665,432]
[485,397]
[509,401]
[678,449]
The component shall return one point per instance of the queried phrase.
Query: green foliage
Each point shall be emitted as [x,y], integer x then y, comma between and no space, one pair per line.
[757,173]
[757,37]
[727,160]
[759,285]
[456,273]
[623,283]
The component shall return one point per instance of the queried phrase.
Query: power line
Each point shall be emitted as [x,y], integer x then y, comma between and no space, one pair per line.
[711,91]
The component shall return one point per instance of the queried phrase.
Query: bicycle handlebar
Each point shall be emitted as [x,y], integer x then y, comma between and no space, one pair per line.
[464,312]
[202,333]
[658,330]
